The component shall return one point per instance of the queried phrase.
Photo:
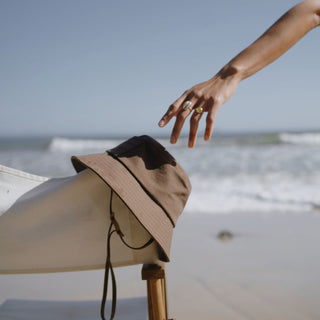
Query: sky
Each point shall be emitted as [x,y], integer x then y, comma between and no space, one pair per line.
[101,68]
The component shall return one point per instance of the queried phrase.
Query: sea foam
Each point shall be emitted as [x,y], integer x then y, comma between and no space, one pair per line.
[66,144]
[300,138]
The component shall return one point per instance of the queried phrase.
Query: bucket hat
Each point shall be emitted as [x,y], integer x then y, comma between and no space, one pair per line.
[148,180]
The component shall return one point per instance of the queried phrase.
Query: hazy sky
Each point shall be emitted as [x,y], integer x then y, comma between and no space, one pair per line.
[113,67]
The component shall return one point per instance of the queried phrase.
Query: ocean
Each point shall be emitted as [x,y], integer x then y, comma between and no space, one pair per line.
[278,172]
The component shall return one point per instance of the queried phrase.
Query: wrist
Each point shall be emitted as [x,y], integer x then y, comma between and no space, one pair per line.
[231,71]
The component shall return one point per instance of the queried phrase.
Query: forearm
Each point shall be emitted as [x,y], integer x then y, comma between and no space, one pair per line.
[210,95]
[281,36]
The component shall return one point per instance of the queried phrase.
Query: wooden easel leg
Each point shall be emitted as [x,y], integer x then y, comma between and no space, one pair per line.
[157,301]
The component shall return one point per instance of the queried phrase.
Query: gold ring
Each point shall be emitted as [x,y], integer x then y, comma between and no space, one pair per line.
[187,105]
[199,110]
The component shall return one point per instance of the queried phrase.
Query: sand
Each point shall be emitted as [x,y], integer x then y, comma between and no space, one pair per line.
[267,269]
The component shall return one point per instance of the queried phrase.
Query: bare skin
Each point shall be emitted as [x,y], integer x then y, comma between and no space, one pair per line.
[213,93]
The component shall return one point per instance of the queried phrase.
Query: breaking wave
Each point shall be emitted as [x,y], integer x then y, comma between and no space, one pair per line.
[304,138]
[300,138]
[69,144]
[66,144]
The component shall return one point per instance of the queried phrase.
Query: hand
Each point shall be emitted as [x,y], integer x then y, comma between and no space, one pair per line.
[210,96]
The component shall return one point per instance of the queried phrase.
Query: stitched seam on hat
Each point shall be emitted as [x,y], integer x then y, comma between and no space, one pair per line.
[143,187]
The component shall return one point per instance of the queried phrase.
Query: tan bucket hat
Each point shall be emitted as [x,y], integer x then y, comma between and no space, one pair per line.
[148,180]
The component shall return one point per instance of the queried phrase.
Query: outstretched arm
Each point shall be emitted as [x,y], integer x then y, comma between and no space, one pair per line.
[213,93]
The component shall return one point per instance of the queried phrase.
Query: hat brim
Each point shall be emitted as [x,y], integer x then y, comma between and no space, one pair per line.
[116,176]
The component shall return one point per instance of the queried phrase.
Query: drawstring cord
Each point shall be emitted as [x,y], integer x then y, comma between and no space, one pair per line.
[108,266]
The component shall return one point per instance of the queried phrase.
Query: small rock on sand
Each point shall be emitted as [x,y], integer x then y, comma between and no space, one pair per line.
[225,236]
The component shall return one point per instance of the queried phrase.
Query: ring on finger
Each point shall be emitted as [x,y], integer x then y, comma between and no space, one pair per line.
[187,105]
[199,110]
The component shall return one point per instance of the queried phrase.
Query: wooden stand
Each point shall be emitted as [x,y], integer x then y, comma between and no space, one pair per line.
[156,287]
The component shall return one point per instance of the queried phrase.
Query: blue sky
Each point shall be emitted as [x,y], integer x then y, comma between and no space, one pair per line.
[112,67]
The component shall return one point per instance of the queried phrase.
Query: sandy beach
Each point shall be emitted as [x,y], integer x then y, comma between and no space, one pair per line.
[267,269]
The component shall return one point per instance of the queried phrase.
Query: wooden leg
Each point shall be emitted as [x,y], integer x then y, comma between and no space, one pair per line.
[157,301]
[156,297]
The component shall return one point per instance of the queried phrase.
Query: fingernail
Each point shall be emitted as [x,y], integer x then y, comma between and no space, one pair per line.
[161,123]
[173,140]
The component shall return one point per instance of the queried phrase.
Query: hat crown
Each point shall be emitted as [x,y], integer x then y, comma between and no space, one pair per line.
[157,171]
[152,153]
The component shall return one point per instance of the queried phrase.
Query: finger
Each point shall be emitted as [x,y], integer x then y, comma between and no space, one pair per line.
[194,124]
[172,111]
[181,117]
[168,115]
[209,123]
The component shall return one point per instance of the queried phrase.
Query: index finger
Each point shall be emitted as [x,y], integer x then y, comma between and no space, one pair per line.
[172,111]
